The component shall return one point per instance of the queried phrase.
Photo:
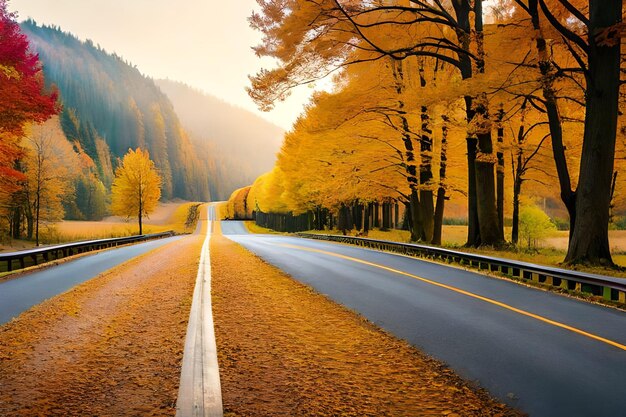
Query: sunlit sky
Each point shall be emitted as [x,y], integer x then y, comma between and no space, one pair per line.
[203,43]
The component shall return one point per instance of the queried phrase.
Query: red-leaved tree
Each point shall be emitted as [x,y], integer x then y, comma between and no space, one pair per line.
[22,95]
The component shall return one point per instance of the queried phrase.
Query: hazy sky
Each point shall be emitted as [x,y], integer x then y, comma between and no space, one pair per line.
[204,43]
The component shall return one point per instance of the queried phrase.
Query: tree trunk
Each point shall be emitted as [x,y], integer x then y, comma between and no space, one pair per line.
[426,173]
[488,222]
[342,220]
[37,211]
[473,230]
[139,217]
[441,191]
[16,222]
[357,216]
[428,215]
[500,174]
[482,213]
[500,195]
[349,219]
[547,70]
[409,155]
[462,10]
[517,189]
[396,216]
[486,204]
[416,217]
[386,212]
[318,218]
[518,173]
[30,226]
[38,201]
[589,241]
[438,220]
[366,219]
[377,215]
[406,217]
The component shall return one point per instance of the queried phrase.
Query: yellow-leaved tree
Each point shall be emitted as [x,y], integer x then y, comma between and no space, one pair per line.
[47,166]
[137,186]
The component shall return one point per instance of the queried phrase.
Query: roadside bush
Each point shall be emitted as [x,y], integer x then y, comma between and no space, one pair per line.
[534,225]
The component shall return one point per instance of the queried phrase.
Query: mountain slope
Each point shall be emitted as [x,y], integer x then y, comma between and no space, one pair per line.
[109,107]
[246,143]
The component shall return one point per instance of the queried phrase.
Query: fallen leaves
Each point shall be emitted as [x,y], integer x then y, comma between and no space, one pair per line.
[111,346]
[285,350]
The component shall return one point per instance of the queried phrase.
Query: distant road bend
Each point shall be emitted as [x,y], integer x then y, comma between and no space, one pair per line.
[542,353]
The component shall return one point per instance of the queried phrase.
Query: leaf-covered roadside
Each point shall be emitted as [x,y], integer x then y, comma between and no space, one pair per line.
[111,346]
[285,350]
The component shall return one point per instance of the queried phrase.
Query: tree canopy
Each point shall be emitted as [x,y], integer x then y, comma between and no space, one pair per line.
[538,85]
[23,99]
[136,188]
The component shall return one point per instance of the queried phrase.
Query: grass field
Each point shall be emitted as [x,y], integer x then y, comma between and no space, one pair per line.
[167,216]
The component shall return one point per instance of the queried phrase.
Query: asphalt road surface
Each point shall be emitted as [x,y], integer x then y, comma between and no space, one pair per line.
[542,353]
[20,294]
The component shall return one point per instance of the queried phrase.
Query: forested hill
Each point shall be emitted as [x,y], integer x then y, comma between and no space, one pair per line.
[247,143]
[109,107]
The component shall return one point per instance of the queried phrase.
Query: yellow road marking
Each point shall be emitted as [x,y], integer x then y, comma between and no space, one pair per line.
[467,293]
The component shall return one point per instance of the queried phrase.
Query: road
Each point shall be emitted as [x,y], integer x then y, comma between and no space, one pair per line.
[20,294]
[542,353]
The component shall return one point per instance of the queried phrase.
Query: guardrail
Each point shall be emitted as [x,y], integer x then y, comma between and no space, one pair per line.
[11,261]
[610,288]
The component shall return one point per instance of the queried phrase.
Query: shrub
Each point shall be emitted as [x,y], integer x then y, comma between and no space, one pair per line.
[534,225]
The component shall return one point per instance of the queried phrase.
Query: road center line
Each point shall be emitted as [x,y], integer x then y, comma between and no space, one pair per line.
[200,392]
[460,291]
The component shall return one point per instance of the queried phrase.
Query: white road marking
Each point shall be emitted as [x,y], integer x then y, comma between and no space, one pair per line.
[200,392]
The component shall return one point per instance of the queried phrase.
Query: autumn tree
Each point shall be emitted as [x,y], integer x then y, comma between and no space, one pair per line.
[22,95]
[312,38]
[352,152]
[237,205]
[524,153]
[579,42]
[48,163]
[22,100]
[136,188]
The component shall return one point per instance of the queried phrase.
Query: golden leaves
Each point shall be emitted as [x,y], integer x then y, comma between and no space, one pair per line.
[137,186]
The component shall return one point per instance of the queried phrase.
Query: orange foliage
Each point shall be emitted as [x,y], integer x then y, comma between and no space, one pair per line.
[237,206]
[137,186]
